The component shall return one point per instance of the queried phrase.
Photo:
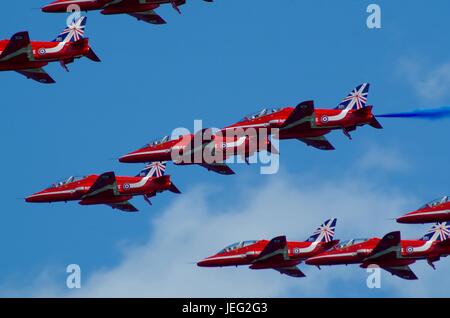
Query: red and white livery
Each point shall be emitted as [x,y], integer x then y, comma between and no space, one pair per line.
[29,58]
[143,10]
[309,124]
[107,188]
[435,211]
[390,253]
[277,254]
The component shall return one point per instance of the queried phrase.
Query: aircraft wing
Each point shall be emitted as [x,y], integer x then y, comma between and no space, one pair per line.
[404,272]
[124,206]
[220,168]
[149,17]
[293,271]
[320,142]
[104,186]
[387,249]
[37,74]
[302,116]
[18,49]
[275,251]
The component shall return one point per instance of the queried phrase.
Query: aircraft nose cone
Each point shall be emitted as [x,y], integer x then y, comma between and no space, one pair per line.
[406,219]
[205,263]
[313,261]
[129,158]
[49,8]
[31,199]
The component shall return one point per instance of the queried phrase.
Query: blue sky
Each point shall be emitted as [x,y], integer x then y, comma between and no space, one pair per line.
[217,62]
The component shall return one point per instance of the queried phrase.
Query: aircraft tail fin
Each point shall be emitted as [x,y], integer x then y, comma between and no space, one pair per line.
[439,232]
[357,98]
[74,31]
[325,233]
[154,170]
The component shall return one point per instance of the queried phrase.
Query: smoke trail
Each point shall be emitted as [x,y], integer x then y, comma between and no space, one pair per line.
[432,114]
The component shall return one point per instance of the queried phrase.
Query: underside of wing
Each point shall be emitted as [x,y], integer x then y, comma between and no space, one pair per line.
[149,17]
[387,249]
[293,271]
[320,142]
[37,74]
[220,168]
[404,272]
[302,117]
[18,49]
[104,187]
[124,206]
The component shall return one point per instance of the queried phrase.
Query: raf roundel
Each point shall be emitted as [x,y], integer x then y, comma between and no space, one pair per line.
[409,249]
[42,51]
[324,119]
[126,186]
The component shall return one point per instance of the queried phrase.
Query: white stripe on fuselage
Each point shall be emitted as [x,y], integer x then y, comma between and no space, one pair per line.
[56,49]
[140,184]
[59,192]
[339,116]
[431,213]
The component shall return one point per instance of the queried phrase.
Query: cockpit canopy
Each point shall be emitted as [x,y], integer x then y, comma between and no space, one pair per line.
[348,243]
[64,182]
[262,112]
[237,245]
[158,141]
[436,202]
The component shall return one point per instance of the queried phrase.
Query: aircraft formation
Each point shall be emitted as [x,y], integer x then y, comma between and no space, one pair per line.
[211,148]
[390,253]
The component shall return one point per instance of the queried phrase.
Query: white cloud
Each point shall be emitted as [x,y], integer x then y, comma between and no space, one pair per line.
[430,83]
[383,158]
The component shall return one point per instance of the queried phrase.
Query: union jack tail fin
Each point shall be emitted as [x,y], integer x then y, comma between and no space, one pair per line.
[439,232]
[154,170]
[325,233]
[73,32]
[357,98]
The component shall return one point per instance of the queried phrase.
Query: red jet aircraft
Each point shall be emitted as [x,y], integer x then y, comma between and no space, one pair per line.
[109,189]
[310,125]
[29,58]
[434,211]
[195,148]
[277,254]
[390,253]
[143,10]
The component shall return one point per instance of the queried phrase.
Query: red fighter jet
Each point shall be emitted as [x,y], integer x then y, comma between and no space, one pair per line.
[434,211]
[143,10]
[390,253]
[309,124]
[109,189]
[203,148]
[277,254]
[28,58]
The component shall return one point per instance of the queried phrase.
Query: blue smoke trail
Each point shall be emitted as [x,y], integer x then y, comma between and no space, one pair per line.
[432,114]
